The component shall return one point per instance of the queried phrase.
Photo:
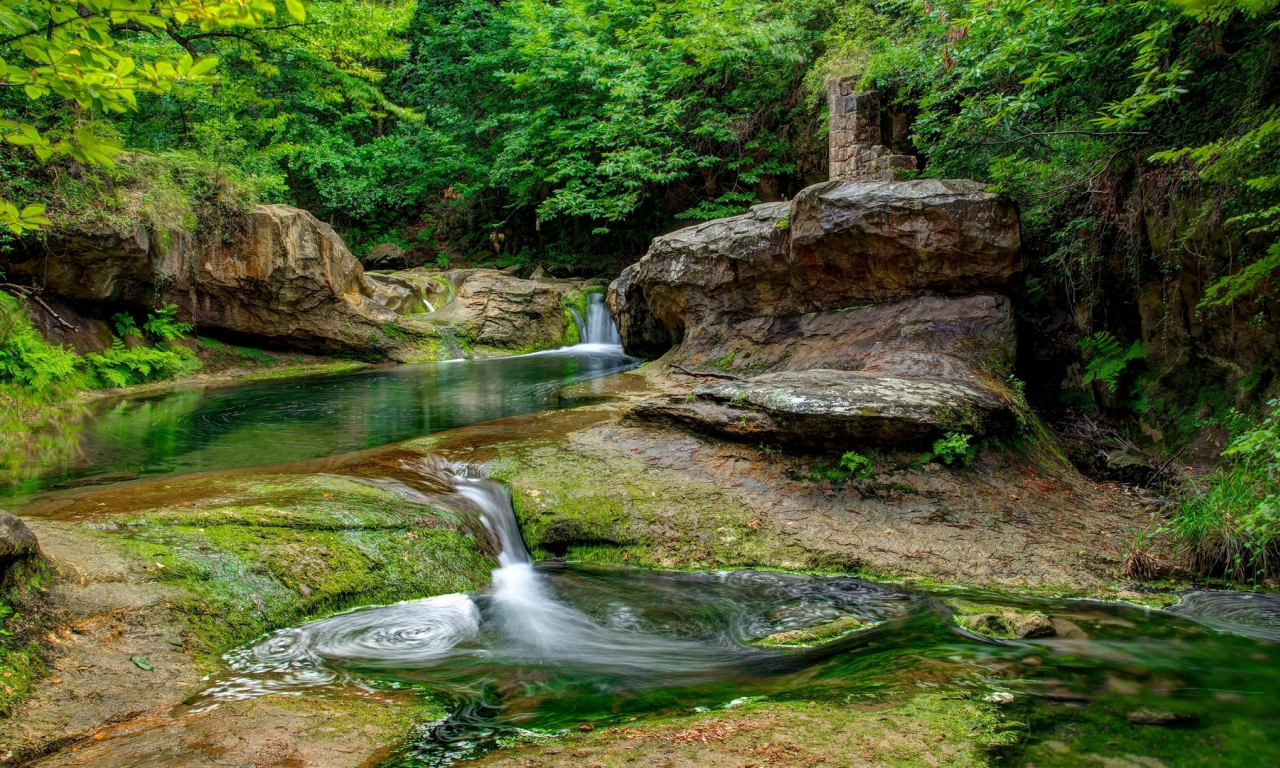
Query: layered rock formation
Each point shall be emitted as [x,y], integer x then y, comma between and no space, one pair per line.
[860,311]
[494,309]
[277,274]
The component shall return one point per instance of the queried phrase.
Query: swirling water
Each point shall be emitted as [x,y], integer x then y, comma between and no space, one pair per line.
[553,645]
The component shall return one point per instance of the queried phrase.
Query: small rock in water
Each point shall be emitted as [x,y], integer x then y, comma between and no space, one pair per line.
[1033,624]
[1150,717]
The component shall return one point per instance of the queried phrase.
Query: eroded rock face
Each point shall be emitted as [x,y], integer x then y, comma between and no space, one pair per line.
[278,274]
[643,334]
[395,293]
[824,407]
[498,310]
[878,240]
[865,310]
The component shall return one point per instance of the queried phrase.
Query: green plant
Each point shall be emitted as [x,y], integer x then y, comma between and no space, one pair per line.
[125,325]
[954,447]
[1106,360]
[121,366]
[163,325]
[857,464]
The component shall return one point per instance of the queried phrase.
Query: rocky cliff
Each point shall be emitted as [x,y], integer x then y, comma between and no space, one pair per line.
[860,311]
[277,274]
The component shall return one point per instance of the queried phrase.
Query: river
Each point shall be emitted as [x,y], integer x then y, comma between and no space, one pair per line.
[553,645]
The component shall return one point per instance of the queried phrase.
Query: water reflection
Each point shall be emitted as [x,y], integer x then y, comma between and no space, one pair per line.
[284,421]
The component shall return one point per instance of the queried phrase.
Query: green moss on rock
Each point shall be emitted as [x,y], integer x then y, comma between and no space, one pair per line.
[281,552]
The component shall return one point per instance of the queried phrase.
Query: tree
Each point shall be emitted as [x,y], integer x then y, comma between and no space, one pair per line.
[71,51]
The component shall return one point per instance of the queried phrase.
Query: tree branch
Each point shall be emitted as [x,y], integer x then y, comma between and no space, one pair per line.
[699,374]
[27,292]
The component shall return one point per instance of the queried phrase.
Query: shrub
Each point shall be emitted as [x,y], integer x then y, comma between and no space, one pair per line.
[857,464]
[954,447]
[121,366]
[1231,527]
[163,324]
[1105,360]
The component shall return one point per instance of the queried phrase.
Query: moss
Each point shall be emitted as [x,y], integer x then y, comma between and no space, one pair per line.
[571,333]
[925,730]
[804,638]
[283,552]
[654,522]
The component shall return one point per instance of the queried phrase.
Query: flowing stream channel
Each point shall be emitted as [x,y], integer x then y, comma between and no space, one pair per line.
[550,646]
[553,645]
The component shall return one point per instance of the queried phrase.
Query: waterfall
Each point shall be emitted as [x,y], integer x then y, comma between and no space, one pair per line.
[580,324]
[599,326]
[449,342]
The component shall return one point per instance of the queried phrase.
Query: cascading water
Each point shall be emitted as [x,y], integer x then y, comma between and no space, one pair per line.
[599,327]
[549,648]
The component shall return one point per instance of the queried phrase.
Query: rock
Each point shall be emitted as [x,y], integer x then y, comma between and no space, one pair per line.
[986,624]
[821,407]
[968,338]
[860,311]
[860,241]
[86,335]
[17,543]
[385,256]
[1029,625]
[801,638]
[275,273]
[395,293]
[1151,717]
[435,289]
[642,333]
[497,310]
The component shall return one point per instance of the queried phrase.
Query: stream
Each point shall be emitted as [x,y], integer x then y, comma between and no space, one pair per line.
[552,646]
[555,645]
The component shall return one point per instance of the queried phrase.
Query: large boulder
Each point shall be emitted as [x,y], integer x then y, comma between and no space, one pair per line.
[276,273]
[17,544]
[385,256]
[642,333]
[497,310]
[860,311]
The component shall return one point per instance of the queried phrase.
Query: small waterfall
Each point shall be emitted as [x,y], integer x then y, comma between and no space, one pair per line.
[449,342]
[599,326]
[580,324]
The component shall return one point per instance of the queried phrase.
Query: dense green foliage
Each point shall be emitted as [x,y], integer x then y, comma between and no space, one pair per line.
[38,380]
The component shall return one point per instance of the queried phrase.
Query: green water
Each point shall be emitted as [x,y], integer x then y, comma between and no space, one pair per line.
[271,423]
[576,644]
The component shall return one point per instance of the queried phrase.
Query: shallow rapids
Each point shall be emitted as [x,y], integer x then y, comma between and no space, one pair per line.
[551,645]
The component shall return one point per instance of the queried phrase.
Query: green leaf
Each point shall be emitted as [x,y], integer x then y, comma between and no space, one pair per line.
[296,10]
[141,662]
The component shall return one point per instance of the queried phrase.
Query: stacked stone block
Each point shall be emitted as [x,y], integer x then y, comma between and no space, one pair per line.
[857,151]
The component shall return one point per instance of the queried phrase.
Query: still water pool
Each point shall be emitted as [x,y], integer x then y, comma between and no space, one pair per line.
[284,421]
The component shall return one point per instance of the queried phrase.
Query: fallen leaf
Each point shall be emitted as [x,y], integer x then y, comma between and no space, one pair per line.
[141,662]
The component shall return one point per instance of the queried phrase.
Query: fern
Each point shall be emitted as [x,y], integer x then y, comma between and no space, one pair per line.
[125,325]
[163,324]
[121,366]
[1106,361]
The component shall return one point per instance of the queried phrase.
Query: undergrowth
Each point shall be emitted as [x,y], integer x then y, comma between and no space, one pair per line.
[1230,526]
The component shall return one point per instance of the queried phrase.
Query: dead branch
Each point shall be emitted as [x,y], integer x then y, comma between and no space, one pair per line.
[699,374]
[27,292]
